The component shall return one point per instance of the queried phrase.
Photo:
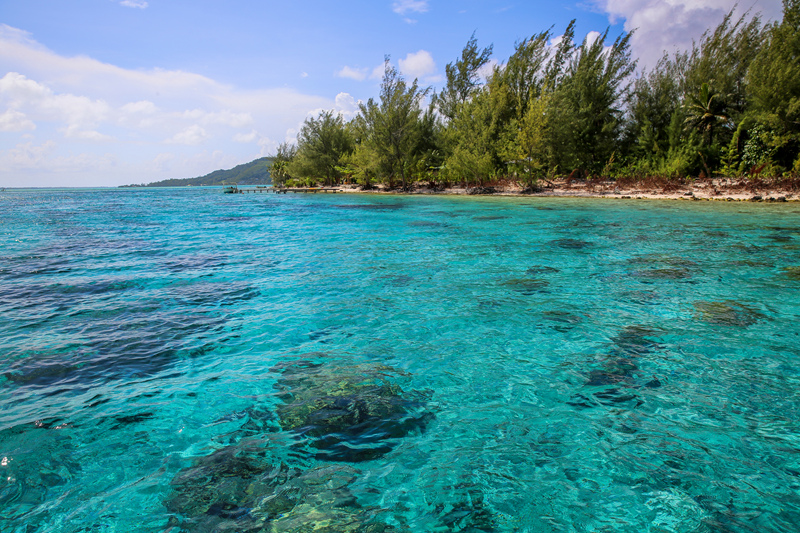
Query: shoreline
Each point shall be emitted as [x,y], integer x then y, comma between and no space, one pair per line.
[721,190]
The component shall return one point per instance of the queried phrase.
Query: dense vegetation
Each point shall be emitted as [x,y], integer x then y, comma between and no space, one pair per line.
[729,107]
[253,173]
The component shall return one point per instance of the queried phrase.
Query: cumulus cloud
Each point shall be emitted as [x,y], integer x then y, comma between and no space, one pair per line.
[246,137]
[402,7]
[358,74]
[191,136]
[487,69]
[13,120]
[418,65]
[133,3]
[75,132]
[20,93]
[44,158]
[224,117]
[83,102]
[670,25]
[267,146]
[346,105]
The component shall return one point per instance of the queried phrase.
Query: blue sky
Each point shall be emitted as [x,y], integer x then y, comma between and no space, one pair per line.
[110,92]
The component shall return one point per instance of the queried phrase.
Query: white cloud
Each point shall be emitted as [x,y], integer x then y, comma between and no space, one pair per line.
[74,132]
[191,136]
[670,25]
[143,107]
[28,155]
[401,7]
[13,120]
[267,146]
[133,3]
[346,105]
[245,137]
[80,101]
[418,65]
[21,93]
[378,72]
[357,74]
[487,69]
[44,158]
[224,117]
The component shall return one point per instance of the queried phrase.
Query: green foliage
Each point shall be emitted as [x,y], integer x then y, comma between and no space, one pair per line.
[705,112]
[393,130]
[463,78]
[587,105]
[758,148]
[729,105]
[473,137]
[773,82]
[322,144]
[722,60]
[530,154]
[280,163]
[731,161]
[655,97]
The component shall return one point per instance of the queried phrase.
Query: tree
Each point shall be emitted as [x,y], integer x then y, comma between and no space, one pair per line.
[705,111]
[530,154]
[393,128]
[279,170]
[722,60]
[463,78]
[473,138]
[655,96]
[321,145]
[773,83]
[587,105]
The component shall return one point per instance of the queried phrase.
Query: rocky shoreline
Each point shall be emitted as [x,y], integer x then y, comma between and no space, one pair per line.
[696,190]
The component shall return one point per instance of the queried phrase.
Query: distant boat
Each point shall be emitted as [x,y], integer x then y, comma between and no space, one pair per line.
[230,189]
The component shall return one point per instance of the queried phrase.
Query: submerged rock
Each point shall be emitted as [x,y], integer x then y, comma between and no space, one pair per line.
[660,259]
[36,461]
[792,272]
[527,286]
[617,381]
[538,270]
[662,273]
[238,489]
[349,413]
[575,244]
[727,313]
[562,321]
[637,340]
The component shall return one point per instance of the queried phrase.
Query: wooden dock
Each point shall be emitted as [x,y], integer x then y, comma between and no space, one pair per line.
[276,190]
[284,190]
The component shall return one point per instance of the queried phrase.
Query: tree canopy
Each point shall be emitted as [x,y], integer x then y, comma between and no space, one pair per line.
[729,106]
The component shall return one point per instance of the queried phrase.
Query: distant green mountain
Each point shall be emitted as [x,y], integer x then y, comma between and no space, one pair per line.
[252,173]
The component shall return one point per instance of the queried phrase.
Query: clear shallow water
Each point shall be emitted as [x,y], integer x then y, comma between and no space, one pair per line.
[197,361]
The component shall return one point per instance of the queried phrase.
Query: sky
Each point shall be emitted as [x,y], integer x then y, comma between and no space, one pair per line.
[113,92]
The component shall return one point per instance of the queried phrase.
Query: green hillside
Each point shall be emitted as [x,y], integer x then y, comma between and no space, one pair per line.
[252,173]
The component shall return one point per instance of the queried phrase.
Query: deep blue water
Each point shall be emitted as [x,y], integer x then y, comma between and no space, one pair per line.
[185,360]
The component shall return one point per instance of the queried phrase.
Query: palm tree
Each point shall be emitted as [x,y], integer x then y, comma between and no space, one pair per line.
[704,111]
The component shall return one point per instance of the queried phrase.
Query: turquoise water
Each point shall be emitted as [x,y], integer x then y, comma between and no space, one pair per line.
[183,360]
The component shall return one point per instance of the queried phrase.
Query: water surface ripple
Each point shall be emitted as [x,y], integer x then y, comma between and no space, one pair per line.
[180,358]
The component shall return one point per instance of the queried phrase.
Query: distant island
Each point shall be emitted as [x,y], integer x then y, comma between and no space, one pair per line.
[252,173]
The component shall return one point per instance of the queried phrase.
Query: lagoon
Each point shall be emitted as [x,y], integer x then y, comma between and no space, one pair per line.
[183,358]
